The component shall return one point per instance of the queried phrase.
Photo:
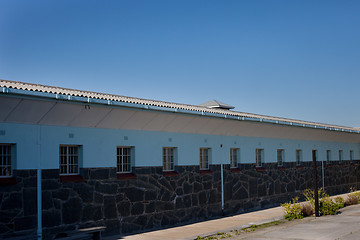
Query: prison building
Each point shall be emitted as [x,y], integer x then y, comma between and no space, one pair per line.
[72,159]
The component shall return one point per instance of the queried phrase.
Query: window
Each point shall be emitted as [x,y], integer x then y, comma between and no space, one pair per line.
[259,157]
[168,159]
[298,157]
[340,155]
[123,157]
[314,155]
[351,155]
[204,158]
[328,155]
[234,157]
[69,159]
[5,160]
[280,157]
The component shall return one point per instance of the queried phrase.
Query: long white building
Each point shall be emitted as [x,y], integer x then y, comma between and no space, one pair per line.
[185,163]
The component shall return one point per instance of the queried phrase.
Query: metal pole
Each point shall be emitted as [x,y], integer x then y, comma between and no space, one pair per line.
[222,182]
[315,184]
[323,175]
[39,195]
[39,207]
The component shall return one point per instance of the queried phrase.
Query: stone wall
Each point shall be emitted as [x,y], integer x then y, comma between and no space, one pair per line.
[18,203]
[153,200]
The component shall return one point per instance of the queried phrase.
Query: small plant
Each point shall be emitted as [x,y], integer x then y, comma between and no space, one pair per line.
[351,200]
[326,205]
[353,197]
[219,233]
[253,227]
[292,209]
[198,238]
[306,209]
[340,202]
[310,196]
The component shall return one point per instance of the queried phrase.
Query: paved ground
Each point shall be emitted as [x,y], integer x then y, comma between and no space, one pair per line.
[207,228]
[345,225]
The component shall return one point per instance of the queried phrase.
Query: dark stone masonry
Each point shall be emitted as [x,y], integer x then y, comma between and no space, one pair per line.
[152,200]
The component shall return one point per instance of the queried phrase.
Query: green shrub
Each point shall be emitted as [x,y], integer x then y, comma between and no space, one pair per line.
[292,210]
[326,205]
[340,202]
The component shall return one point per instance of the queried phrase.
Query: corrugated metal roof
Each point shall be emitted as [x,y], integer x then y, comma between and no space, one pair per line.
[134,100]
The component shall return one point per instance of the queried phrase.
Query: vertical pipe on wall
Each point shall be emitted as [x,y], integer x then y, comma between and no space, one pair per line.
[316,194]
[222,181]
[39,196]
[39,208]
[323,175]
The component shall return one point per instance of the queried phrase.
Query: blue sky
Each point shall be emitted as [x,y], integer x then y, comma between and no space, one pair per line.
[294,59]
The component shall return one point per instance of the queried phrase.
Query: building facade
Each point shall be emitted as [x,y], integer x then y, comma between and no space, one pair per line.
[73,159]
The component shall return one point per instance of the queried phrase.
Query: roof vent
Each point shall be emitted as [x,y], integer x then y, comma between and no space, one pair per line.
[216,104]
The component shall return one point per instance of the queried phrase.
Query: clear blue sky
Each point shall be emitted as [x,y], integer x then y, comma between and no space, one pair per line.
[294,59]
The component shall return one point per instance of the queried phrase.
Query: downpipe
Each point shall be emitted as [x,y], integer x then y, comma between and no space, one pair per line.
[222,183]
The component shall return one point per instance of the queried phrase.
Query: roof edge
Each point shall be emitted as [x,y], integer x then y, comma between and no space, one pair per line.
[202,110]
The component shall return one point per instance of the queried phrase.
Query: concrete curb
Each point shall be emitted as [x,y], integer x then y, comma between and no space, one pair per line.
[238,227]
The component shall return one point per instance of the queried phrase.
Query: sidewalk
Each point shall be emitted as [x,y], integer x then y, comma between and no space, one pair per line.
[206,228]
[191,231]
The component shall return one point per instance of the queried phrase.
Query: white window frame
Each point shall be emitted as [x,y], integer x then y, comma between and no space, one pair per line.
[280,157]
[6,160]
[234,157]
[204,158]
[124,157]
[69,160]
[169,159]
[298,157]
[328,155]
[259,152]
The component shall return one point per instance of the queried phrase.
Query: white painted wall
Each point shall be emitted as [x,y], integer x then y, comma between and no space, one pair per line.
[34,142]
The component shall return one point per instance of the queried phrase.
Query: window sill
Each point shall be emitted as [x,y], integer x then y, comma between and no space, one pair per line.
[235,170]
[206,171]
[7,181]
[281,168]
[170,173]
[125,176]
[71,178]
[260,169]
